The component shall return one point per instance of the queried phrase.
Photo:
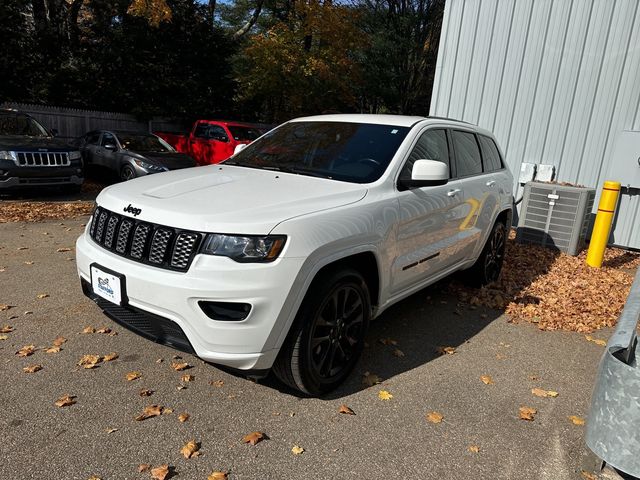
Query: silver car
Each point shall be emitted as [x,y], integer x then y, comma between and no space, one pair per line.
[131,154]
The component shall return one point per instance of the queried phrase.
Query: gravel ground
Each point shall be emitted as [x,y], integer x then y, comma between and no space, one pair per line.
[385,439]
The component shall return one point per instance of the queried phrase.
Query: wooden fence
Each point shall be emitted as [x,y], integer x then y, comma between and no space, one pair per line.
[72,122]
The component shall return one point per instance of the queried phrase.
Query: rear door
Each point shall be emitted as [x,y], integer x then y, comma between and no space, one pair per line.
[104,157]
[480,190]
[430,217]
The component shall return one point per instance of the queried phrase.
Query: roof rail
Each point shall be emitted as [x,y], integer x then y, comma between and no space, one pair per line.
[450,119]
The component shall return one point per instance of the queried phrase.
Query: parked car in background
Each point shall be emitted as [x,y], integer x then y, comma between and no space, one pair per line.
[131,154]
[30,156]
[212,141]
[318,227]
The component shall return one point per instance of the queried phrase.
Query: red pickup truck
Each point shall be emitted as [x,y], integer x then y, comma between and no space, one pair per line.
[211,141]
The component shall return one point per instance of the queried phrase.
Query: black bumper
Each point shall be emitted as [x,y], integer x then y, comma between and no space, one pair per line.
[13,176]
[148,325]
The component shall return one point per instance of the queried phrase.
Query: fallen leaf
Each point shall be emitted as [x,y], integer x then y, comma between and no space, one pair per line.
[191,449]
[434,417]
[4,306]
[178,367]
[167,411]
[576,420]
[64,249]
[160,473]
[500,356]
[446,350]
[3,337]
[217,383]
[474,448]
[527,413]
[188,378]
[253,438]
[597,341]
[145,393]
[42,295]
[132,376]
[387,341]
[103,330]
[66,400]
[346,410]
[23,248]
[486,379]
[181,387]
[296,450]
[110,357]
[89,361]
[88,330]
[26,351]
[32,368]
[398,353]
[28,312]
[53,350]
[59,341]
[384,395]
[111,430]
[143,467]
[149,412]
[6,329]
[588,476]
[370,379]
[539,392]
[183,417]
[217,476]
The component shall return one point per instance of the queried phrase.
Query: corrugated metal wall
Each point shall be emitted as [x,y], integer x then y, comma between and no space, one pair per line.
[555,80]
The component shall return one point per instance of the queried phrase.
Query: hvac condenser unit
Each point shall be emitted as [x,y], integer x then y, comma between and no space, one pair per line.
[555,216]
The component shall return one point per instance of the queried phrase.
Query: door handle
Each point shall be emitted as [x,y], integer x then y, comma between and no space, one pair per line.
[453,193]
[491,183]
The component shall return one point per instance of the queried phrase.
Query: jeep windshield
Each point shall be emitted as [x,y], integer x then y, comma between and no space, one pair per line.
[350,152]
[12,123]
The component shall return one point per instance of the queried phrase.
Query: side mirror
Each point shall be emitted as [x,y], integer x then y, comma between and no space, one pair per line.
[111,146]
[239,148]
[426,173]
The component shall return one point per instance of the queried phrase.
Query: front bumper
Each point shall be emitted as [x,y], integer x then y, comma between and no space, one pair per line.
[246,345]
[13,176]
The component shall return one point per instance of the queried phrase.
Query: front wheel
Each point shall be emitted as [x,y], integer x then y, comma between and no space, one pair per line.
[127,173]
[327,336]
[488,266]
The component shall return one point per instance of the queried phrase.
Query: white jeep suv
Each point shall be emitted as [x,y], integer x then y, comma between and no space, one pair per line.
[279,257]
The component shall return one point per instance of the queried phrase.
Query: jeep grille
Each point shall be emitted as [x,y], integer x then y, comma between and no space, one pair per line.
[144,242]
[42,159]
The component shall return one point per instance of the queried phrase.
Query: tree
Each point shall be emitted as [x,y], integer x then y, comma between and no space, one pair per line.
[303,64]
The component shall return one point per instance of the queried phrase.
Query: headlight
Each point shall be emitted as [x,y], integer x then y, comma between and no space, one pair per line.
[5,155]
[150,166]
[75,155]
[244,248]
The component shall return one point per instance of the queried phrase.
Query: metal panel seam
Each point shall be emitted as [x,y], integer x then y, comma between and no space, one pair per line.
[473,48]
[504,66]
[455,61]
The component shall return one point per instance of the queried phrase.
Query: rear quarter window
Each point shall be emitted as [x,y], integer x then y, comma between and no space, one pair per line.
[490,154]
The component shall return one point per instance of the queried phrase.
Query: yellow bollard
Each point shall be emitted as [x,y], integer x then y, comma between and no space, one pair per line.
[602,225]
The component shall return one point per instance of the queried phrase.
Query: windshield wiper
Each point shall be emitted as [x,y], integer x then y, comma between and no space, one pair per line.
[284,169]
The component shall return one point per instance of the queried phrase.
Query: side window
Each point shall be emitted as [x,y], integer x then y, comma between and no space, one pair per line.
[468,159]
[216,132]
[432,145]
[490,153]
[108,138]
[201,131]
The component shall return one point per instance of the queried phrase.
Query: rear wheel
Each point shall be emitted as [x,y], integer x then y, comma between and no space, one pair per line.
[488,266]
[127,173]
[328,334]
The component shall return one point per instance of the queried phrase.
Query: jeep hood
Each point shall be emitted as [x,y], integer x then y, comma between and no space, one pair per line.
[227,199]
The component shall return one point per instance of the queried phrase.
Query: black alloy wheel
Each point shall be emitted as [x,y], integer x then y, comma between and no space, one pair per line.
[495,254]
[127,173]
[328,334]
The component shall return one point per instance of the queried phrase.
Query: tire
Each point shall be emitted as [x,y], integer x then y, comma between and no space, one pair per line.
[488,266]
[127,173]
[324,343]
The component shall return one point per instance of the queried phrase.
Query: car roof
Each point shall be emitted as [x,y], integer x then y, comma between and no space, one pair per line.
[377,119]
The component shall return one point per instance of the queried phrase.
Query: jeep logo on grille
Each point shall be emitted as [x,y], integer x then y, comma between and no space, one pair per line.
[133,210]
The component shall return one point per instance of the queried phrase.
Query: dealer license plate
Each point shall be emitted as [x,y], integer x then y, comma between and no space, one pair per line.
[107,285]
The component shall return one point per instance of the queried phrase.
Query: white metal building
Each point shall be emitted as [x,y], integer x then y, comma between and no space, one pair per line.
[557,81]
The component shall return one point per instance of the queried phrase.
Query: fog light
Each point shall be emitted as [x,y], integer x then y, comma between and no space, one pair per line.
[225,311]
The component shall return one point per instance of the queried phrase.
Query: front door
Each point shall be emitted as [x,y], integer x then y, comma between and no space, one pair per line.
[430,218]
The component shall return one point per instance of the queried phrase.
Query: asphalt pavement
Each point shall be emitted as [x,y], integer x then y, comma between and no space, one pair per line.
[98,436]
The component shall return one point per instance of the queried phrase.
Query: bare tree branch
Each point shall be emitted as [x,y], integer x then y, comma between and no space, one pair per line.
[251,22]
